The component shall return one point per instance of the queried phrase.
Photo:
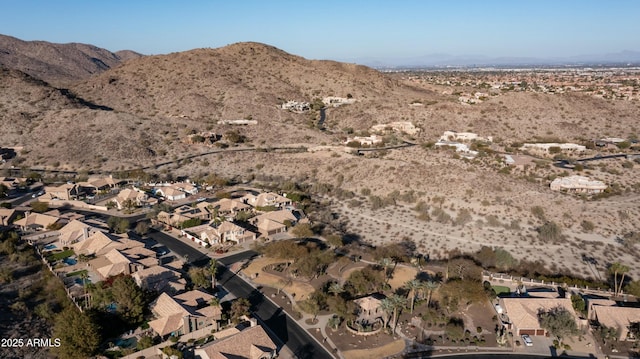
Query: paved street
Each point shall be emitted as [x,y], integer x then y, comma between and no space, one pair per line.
[289,332]
[177,246]
[294,337]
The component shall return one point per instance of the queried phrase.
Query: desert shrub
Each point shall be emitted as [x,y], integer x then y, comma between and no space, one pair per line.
[587,226]
[440,215]
[463,217]
[549,232]
[538,212]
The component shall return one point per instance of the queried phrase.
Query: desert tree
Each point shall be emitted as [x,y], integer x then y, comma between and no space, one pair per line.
[336,289]
[240,307]
[559,322]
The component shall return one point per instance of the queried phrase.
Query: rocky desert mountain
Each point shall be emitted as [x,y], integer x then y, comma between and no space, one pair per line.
[59,64]
[140,113]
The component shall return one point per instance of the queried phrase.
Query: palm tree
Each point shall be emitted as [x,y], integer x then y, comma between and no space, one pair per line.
[614,269]
[398,302]
[387,306]
[413,286]
[213,269]
[430,286]
[386,263]
[84,275]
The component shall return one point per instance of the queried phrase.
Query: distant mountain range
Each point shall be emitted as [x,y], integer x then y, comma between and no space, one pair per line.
[446,60]
[59,64]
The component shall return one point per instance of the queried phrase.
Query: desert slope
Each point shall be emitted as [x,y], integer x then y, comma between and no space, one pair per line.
[59,64]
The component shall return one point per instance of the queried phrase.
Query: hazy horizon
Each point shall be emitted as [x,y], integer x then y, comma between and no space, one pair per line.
[343,31]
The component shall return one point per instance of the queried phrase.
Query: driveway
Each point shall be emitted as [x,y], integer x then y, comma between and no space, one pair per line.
[541,345]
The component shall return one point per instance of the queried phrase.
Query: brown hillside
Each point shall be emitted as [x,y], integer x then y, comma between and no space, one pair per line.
[244,79]
[141,112]
[58,64]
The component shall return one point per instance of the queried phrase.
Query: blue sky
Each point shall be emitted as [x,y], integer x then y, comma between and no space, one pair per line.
[341,30]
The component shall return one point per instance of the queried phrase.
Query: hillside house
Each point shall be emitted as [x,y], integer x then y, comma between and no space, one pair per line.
[238,122]
[463,137]
[548,148]
[334,101]
[460,147]
[296,106]
[364,141]
[577,184]
[399,126]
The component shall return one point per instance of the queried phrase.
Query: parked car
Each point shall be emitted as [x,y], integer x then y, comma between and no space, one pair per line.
[499,309]
[527,340]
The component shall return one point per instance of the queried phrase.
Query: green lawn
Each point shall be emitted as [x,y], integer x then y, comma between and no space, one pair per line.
[500,289]
[60,255]
[78,273]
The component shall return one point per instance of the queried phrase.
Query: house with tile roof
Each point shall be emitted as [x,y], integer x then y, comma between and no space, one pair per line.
[184,313]
[250,343]
[159,279]
[267,199]
[35,222]
[137,197]
[218,234]
[97,243]
[75,231]
[271,223]
[523,313]
[7,215]
[114,263]
[171,193]
[619,318]
[228,207]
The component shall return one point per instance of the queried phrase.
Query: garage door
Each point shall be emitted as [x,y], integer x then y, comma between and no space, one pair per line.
[540,332]
[527,331]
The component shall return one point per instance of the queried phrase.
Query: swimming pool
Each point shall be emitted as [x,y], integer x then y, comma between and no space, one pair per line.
[79,281]
[50,247]
[126,343]
[70,261]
